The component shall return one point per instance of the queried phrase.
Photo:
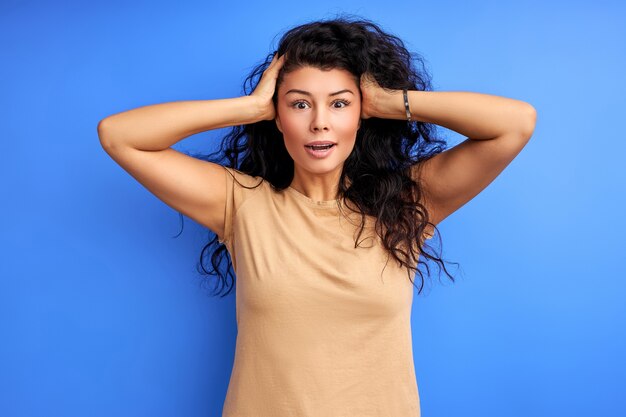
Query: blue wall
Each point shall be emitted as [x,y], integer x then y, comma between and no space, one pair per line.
[99,312]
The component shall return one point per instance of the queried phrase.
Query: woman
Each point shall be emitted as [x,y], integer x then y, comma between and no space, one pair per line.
[340,172]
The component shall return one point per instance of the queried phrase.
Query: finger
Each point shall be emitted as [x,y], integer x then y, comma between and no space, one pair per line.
[281,60]
[273,59]
[276,66]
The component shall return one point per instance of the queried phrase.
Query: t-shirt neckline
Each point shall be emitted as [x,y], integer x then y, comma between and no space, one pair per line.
[310,201]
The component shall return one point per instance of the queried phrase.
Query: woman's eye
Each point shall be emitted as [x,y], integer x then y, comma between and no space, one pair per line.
[299,104]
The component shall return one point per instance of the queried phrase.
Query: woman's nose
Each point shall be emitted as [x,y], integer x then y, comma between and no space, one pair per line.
[320,120]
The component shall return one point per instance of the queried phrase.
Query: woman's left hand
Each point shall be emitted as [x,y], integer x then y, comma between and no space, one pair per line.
[374,98]
[369,96]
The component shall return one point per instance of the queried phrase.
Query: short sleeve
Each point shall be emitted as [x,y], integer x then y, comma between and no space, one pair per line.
[239,188]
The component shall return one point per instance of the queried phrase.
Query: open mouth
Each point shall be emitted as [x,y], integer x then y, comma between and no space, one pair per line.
[320,151]
[320,147]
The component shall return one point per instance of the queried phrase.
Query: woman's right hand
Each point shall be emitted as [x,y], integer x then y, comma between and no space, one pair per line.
[264,91]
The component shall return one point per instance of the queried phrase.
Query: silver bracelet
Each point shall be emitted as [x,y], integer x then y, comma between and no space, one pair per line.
[406,105]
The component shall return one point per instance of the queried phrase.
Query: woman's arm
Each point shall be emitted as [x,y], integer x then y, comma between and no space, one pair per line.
[475,115]
[140,140]
[159,126]
[497,129]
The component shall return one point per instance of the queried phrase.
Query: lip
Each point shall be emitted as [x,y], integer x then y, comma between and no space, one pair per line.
[321,142]
[320,154]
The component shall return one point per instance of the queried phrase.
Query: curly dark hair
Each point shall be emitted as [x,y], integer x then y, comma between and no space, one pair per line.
[381,170]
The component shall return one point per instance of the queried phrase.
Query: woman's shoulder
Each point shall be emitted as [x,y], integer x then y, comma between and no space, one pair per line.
[243,178]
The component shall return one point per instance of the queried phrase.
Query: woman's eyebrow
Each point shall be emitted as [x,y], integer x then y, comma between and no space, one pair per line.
[293,90]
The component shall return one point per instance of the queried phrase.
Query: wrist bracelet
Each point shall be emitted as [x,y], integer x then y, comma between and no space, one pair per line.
[406,105]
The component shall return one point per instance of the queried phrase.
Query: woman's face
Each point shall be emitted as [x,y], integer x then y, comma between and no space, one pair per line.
[316,105]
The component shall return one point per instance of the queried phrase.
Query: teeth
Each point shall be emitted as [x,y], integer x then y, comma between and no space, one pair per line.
[320,147]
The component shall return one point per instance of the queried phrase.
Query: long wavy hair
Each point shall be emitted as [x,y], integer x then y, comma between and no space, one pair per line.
[381,181]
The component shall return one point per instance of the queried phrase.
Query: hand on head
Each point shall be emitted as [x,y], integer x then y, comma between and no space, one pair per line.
[371,95]
[264,91]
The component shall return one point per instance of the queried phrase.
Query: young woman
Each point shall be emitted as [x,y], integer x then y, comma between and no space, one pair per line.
[331,171]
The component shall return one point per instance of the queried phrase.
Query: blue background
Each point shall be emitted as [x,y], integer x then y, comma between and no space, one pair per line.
[100,314]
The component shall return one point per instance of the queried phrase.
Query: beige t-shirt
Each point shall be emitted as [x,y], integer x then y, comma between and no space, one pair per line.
[323,331]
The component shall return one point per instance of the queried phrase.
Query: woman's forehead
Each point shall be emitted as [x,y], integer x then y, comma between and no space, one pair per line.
[317,81]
